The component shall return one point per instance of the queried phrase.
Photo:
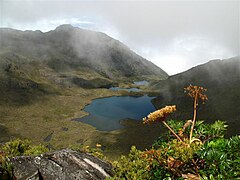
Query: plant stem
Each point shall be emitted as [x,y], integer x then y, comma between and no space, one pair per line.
[172,131]
[194,116]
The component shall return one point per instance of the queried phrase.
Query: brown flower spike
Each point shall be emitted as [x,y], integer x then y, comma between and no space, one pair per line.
[196,91]
[160,116]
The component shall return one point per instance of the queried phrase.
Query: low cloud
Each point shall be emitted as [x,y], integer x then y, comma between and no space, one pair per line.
[175,35]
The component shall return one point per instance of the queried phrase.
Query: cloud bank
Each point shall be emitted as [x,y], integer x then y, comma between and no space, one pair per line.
[175,35]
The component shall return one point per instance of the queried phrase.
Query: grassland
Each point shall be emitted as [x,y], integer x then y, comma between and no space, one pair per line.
[54,113]
[37,101]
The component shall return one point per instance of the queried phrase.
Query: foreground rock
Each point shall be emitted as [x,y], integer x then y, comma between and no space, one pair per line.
[64,164]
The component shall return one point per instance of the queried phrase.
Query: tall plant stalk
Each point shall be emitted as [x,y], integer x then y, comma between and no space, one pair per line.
[195,92]
[172,131]
[194,115]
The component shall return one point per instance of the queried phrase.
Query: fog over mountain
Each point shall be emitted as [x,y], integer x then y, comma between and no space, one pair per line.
[72,48]
[175,35]
[221,78]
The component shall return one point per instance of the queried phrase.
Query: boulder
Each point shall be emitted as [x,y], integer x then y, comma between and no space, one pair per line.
[64,164]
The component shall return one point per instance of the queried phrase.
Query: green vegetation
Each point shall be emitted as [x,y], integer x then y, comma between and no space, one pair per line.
[20,147]
[133,166]
[190,150]
[95,151]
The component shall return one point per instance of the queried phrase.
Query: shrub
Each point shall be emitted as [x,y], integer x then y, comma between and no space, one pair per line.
[190,150]
[133,166]
[222,158]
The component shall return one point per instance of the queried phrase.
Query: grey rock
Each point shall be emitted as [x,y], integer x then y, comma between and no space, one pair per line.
[64,164]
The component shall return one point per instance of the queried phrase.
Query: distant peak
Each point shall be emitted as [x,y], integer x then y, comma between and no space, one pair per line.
[65,27]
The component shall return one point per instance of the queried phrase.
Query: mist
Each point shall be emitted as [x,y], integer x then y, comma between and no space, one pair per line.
[175,35]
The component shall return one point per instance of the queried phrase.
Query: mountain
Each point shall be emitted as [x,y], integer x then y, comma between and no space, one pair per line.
[34,63]
[222,80]
[68,48]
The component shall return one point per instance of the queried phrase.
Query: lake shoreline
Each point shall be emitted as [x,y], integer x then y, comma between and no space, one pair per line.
[105,113]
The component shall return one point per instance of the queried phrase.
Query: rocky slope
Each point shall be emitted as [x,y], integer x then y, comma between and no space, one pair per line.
[220,77]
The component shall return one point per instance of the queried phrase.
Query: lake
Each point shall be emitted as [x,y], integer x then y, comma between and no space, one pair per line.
[141,83]
[138,83]
[105,113]
[125,89]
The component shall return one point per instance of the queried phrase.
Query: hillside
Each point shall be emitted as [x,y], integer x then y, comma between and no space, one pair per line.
[34,63]
[222,80]
[46,79]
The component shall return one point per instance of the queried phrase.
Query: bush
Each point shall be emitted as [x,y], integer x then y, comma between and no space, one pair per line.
[217,158]
[18,147]
[190,150]
[222,158]
[133,166]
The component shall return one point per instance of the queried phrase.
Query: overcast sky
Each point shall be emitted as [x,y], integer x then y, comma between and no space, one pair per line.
[175,35]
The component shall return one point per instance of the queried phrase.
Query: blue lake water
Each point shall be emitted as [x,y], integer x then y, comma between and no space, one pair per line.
[125,89]
[141,83]
[105,113]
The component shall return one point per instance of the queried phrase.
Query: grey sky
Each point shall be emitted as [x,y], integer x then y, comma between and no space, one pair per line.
[175,35]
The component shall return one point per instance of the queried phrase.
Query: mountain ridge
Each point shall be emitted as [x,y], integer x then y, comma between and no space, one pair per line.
[222,80]
[73,46]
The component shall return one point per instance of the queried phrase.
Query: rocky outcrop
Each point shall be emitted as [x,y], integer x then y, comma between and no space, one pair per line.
[64,164]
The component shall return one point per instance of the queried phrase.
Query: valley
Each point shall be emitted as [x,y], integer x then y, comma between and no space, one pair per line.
[54,114]
[46,79]
[119,90]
